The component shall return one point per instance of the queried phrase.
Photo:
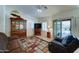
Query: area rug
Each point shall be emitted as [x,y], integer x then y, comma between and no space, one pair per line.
[35,45]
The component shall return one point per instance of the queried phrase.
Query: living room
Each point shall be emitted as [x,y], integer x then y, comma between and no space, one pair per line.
[46,16]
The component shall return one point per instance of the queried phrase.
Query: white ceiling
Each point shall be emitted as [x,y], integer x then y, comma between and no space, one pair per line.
[31,10]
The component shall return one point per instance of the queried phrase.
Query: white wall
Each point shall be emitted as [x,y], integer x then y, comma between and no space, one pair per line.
[2,20]
[50,26]
[7,25]
[74,15]
[29,26]
[44,29]
[49,22]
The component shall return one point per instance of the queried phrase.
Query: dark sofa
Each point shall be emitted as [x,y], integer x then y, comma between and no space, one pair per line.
[66,45]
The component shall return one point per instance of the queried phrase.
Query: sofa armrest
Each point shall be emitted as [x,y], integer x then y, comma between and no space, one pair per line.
[57,47]
[12,38]
[56,42]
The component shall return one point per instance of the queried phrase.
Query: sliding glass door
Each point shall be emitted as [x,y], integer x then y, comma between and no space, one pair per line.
[57,28]
[66,28]
[62,28]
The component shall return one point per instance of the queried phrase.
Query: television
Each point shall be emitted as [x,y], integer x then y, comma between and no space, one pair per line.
[37,25]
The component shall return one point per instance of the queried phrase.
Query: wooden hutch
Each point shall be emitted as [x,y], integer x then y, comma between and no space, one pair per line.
[18,27]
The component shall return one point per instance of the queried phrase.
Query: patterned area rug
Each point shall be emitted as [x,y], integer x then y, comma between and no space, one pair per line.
[35,45]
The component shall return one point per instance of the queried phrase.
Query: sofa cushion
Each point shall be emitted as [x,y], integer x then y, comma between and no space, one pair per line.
[58,39]
[70,39]
[56,47]
[67,40]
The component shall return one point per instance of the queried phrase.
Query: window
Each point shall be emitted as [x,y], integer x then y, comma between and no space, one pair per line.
[44,26]
[62,28]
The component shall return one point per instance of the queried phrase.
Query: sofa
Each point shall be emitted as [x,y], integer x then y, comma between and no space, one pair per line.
[3,42]
[67,44]
[8,44]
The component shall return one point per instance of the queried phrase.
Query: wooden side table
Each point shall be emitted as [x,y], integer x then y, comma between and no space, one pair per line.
[48,35]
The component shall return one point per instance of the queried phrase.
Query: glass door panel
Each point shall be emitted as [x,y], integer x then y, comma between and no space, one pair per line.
[17,25]
[21,25]
[57,28]
[65,28]
[54,31]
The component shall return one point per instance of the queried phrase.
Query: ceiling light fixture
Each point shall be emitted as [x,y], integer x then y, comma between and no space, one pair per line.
[41,8]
